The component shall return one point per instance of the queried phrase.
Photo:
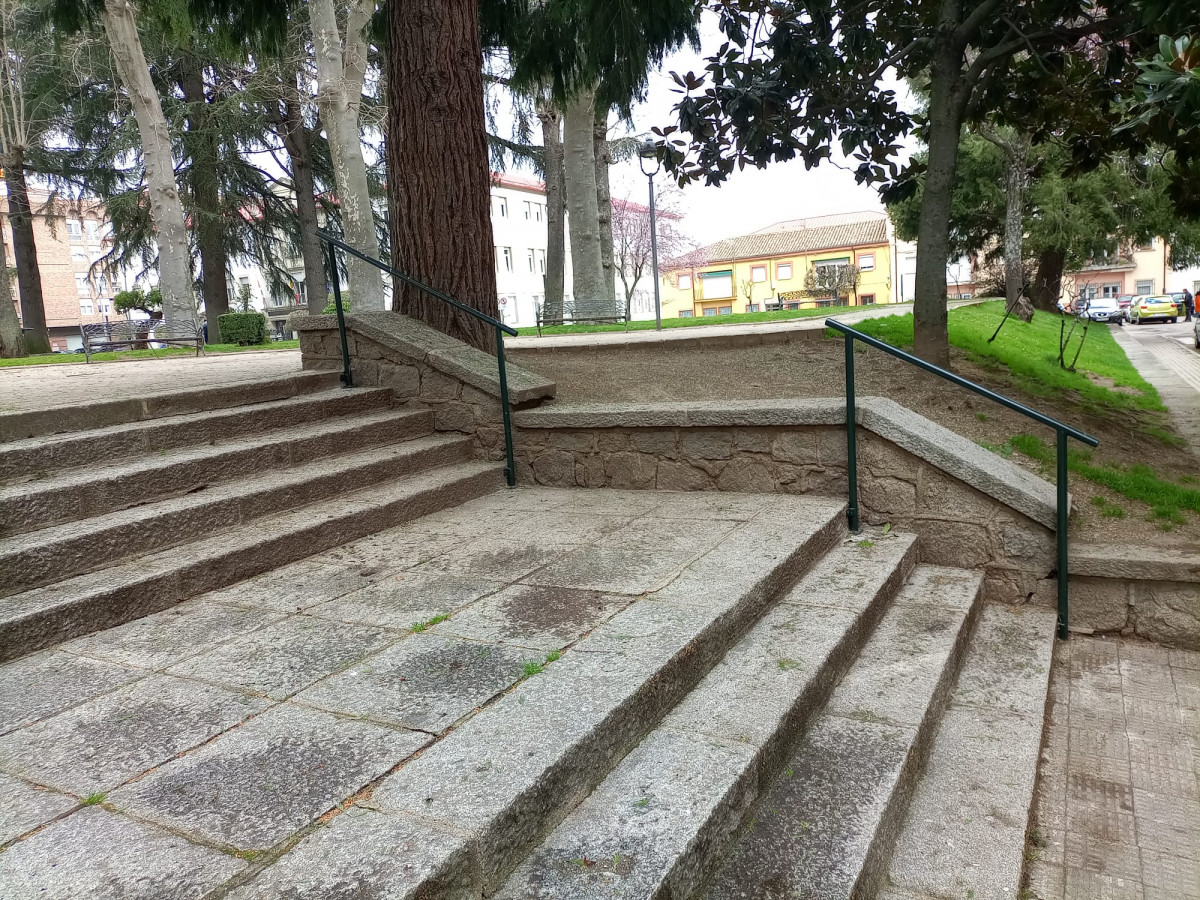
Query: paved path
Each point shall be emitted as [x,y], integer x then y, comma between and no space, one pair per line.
[708,332]
[24,388]
[1166,357]
[1118,806]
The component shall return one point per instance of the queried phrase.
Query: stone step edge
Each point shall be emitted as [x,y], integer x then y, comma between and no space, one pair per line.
[712,836]
[885,830]
[37,558]
[97,445]
[118,595]
[79,417]
[34,506]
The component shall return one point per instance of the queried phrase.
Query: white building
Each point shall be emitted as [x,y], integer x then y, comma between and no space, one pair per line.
[519,233]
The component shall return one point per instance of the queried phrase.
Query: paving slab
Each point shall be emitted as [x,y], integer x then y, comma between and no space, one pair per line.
[157,641]
[24,807]
[44,683]
[405,599]
[425,682]
[614,570]
[255,785]
[104,856]
[100,744]
[281,659]
[299,585]
[494,558]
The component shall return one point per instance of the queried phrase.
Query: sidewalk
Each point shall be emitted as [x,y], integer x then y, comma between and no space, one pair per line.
[744,334]
[1164,356]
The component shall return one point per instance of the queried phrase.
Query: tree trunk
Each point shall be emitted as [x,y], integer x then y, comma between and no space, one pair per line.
[341,68]
[29,276]
[1047,287]
[12,341]
[1016,151]
[579,169]
[201,143]
[604,200]
[556,235]
[931,341]
[300,154]
[439,182]
[166,210]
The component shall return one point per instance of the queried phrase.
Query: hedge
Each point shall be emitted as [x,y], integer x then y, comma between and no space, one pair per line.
[243,328]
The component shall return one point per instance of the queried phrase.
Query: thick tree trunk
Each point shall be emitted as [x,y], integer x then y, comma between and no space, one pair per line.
[604,200]
[439,183]
[12,342]
[29,276]
[201,143]
[300,154]
[579,168]
[166,210]
[556,218]
[341,68]
[1047,287]
[1017,151]
[931,341]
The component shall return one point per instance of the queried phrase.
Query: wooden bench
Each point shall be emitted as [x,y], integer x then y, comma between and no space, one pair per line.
[586,312]
[101,336]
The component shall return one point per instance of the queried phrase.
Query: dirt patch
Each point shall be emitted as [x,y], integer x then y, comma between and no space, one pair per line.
[816,369]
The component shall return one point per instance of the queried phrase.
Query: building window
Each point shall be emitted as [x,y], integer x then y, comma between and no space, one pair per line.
[531,259]
[725,311]
[795,305]
[85,307]
[504,258]
[826,265]
[758,273]
[105,306]
[685,282]
[541,261]
[1145,286]
[81,285]
[93,230]
[866,262]
[1111,289]
[867,300]
[685,314]
[751,307]
[1148,245]
[74,230]
[79,257]
[783,271]
[823,303]
[502,207]
[710,311]
[528,211]
[102,285]
[537,212]
[716,285]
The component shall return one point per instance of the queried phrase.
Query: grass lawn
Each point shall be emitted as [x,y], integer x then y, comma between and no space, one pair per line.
[695,321]
[66,359]
[1104,377]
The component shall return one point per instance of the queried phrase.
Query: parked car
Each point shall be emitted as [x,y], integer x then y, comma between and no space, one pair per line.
[1102,309]
[1150,307]
[1196,330]
[1123,301]
[1177,296]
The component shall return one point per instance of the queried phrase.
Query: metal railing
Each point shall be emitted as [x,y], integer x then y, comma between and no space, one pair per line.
[1061,430]
[333,244]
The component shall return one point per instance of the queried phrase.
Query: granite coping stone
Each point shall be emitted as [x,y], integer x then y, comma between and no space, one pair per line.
[983,470]
[423,343]
[1138,563]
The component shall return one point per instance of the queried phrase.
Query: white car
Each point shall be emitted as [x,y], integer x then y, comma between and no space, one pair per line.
[1103,309]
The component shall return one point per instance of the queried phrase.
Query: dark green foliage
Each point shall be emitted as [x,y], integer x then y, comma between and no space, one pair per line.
[243,328]
[149,302]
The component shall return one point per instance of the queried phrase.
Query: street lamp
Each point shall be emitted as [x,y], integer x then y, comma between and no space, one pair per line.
[647,155]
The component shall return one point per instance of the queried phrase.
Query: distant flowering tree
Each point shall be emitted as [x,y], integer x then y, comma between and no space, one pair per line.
[631,241]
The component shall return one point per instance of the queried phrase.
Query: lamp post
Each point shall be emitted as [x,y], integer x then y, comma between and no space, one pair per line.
[646,155]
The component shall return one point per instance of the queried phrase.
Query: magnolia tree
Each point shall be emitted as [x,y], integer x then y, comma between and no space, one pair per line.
[632,255]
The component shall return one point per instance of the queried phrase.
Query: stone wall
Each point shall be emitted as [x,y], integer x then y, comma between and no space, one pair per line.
[958,525]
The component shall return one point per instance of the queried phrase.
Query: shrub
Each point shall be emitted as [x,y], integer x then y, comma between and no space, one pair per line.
[243,328]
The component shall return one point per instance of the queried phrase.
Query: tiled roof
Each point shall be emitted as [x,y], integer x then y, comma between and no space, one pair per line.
[520,182]
[764,244]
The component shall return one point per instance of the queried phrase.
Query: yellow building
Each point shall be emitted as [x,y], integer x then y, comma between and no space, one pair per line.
[798,264]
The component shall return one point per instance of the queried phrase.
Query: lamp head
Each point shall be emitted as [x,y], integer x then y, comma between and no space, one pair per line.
[648,157]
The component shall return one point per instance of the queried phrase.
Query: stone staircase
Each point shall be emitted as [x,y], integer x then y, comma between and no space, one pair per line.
[112,511]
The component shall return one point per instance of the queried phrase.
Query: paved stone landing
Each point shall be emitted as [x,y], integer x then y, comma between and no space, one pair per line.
[1118,798]
[165,757]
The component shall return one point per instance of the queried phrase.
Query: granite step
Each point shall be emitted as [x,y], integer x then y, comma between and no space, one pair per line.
[17,426]
[43,616]
[965,835]
[35,458]
[668,812]
[455,820]
[826,826]
[52,554]
[83,493]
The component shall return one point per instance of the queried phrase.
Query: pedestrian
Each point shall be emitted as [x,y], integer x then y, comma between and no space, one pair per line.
[1189,305]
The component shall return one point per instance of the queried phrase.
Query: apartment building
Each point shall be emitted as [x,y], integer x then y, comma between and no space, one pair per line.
[519,233]
[770,269]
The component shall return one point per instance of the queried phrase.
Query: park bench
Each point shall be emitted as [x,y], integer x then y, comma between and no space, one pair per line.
[101,336]
[586,312]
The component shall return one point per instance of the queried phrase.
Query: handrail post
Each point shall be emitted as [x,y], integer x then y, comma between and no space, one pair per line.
[510,471]
[1063,513]
[851,438]
[347,375]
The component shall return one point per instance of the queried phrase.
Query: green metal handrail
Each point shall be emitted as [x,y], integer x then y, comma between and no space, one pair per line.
[333,244]
[1061,430]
